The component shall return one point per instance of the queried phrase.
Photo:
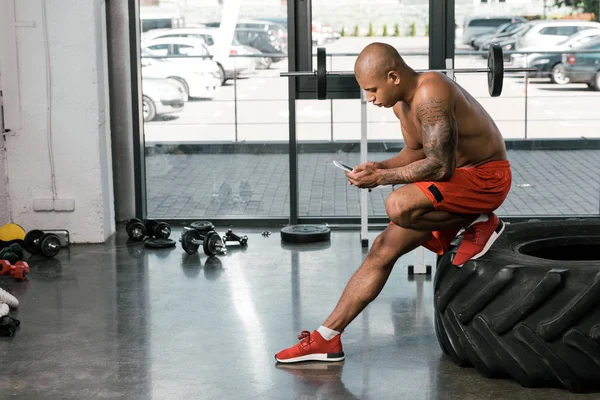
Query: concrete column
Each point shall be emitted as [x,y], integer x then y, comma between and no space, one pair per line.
[58,159]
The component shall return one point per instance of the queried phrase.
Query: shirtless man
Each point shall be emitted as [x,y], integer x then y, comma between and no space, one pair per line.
[454,173]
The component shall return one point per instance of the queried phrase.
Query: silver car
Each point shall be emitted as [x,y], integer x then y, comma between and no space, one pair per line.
[475,26]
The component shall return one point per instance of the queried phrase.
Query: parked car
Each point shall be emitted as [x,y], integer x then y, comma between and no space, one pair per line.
[279,30]
[229,67]
[506,39]
[195,84]
[584,67]
[475,26]
[265,41]
[164,15]
[160,97]
[186,51]
[550,64]
[503,30]
[544,33]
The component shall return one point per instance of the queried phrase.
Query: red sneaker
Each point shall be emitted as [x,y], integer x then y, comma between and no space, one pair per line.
[312,347]
[477,239]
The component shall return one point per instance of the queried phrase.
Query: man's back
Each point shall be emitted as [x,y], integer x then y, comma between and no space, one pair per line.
[479,139]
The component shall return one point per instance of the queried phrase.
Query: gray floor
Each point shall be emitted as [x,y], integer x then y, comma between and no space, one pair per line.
[563,182]
[119,321]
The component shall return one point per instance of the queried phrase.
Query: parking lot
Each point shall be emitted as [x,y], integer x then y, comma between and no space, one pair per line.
[257,185]
[255,107]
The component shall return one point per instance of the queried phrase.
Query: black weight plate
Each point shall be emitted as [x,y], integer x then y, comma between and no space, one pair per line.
[163,230]
[210,242]
[321,73]
[203,226]
[305,234]
[157,243]
[49,245]
[186,241]
[496,72]
[131,221]
[136,226]
[32,241]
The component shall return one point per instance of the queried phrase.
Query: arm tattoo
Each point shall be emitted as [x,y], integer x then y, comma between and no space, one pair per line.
[440,138]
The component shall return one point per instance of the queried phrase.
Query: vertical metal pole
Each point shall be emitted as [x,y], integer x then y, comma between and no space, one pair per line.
[526,95]
[364,209]
[331,100]
[441,32]
[235,108]
[1,118]
[139,142]
[293,156]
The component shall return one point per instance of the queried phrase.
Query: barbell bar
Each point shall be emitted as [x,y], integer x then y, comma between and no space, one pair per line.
[495,71]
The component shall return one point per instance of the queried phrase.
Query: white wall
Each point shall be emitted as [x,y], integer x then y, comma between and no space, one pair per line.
[4,217]
[79,118]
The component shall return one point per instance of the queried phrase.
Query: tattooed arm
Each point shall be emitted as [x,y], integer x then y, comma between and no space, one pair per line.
[434,110]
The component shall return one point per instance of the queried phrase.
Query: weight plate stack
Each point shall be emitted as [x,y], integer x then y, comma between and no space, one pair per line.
[49,245]
[213,244]
[136,230]
[203,227]
[187,238]
[305,234]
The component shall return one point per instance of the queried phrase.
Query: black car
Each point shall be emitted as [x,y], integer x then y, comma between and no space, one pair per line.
[548,66]
[265,41]
[584,67]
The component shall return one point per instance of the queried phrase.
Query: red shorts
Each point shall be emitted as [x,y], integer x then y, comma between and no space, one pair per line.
[472,190]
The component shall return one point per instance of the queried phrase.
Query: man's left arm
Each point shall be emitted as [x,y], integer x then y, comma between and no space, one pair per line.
[440,138]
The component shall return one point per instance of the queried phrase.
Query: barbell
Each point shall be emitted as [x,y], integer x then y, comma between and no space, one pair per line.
[495,71]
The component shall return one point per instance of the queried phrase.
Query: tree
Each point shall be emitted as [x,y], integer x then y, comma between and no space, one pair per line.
[590,6]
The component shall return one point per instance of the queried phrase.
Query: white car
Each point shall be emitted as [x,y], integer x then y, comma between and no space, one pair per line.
[161,97]
[573,41]
[545,33]
[183,51]
[195,84]
[229,66]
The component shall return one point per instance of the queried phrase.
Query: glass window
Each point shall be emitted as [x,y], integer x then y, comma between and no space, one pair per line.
[159,50]
[566,30]
[219,150]
[182,49]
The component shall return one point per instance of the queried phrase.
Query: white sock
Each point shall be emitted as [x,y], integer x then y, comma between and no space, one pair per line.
[327,333]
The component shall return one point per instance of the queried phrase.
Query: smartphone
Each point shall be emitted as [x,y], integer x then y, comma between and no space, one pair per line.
[342,166]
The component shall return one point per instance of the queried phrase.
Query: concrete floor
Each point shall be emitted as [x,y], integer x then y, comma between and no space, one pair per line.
[119,321]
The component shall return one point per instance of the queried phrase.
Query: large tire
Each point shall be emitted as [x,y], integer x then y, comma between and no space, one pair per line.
[529,308]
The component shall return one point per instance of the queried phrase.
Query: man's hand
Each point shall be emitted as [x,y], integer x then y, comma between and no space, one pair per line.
[365,175]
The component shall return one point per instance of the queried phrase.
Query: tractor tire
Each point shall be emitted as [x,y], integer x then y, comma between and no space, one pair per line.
[529,309]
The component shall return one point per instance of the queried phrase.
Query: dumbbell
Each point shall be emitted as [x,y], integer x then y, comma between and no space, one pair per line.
[40,242]
[19,270]
[232,237]
[158,230]
[12,253]
[138,229]
[191,239]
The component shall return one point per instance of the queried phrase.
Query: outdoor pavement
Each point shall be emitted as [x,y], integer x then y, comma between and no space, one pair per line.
[560,182]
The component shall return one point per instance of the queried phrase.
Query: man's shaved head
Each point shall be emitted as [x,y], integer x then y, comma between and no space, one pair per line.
[377,59]
[383,74]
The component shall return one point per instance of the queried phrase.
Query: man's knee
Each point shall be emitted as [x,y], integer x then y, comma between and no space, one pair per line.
[400,210]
